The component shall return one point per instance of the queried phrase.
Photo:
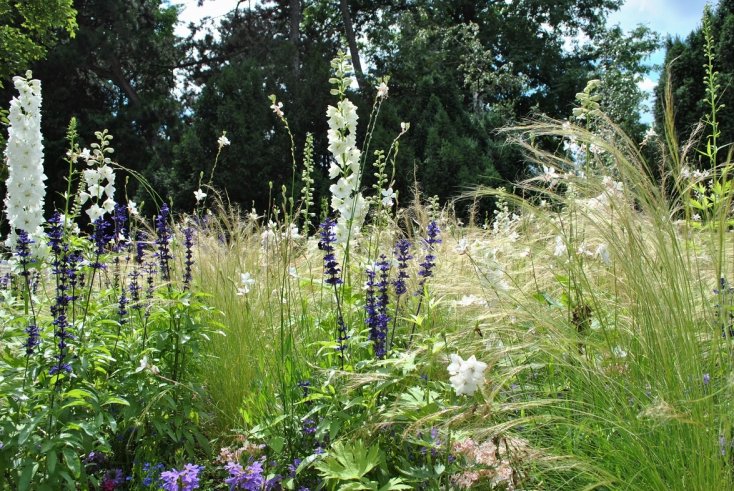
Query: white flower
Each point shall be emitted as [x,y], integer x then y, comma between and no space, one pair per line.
[91,176]
[466,376]
[602,252]
[650,134]
[341,189]
[346,200]
[619,352]
[94,212]
[106,173]
[132,208]
[146,365]
[388,195]
[404,127]
[95,191]
[24,156]
[277,108]
[109,205]
[382,90]
[560,249]
[293,232]
[86,154]
[223,141]
[469,300]
[267,238]
[462,247]
[549,175]
[199,195]
[247,281]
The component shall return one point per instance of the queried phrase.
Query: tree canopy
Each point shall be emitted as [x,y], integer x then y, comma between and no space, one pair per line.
[459,71]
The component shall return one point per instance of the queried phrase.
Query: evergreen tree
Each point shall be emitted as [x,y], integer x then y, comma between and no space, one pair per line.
[685,59]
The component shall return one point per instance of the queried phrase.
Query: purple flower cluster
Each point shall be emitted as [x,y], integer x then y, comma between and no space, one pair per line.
[429,261]
[376,304]
[183,480]
[402,254]
[122,308]
[119,218]
[101,236]
[62,269]
[308,427]
[112,480]
[23,252]
[341,337]
[370,303]
[250,478]
[188,244]
[152,473]
[33,339]
[140,246]
[163,239]
[328,239]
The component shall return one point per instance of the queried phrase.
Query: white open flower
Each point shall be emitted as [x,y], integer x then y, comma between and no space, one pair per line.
[247,281]
[94,212]
[462,247]
[277,108]
[382,90]
[146,365]
[199,195]
[223,141]
[466,376]
[388,197]
[560,248]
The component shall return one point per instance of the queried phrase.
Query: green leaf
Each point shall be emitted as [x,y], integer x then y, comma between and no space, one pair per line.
[72,462]
[27,430]
[395,483]
[276,443]
[115,400]
[26,475]
[51,460]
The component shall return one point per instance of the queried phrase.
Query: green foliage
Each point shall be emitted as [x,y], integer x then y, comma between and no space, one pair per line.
[691,62]
[115,73]
[28,29]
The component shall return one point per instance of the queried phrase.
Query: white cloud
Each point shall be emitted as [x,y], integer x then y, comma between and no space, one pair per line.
[647,84]
[675,17]
[193,13]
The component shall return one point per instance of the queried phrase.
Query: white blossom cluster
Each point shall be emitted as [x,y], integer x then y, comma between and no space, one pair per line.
[466,376]
[346,200]
[99,178]
[26,190]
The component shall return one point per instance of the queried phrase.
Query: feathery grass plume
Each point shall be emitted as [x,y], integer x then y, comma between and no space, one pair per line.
[607,323]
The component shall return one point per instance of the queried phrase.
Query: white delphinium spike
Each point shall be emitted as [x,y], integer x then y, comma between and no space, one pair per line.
[346,201]
[99,178]
[26,190]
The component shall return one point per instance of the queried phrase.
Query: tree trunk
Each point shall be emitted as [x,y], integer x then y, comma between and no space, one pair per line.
[352,41]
